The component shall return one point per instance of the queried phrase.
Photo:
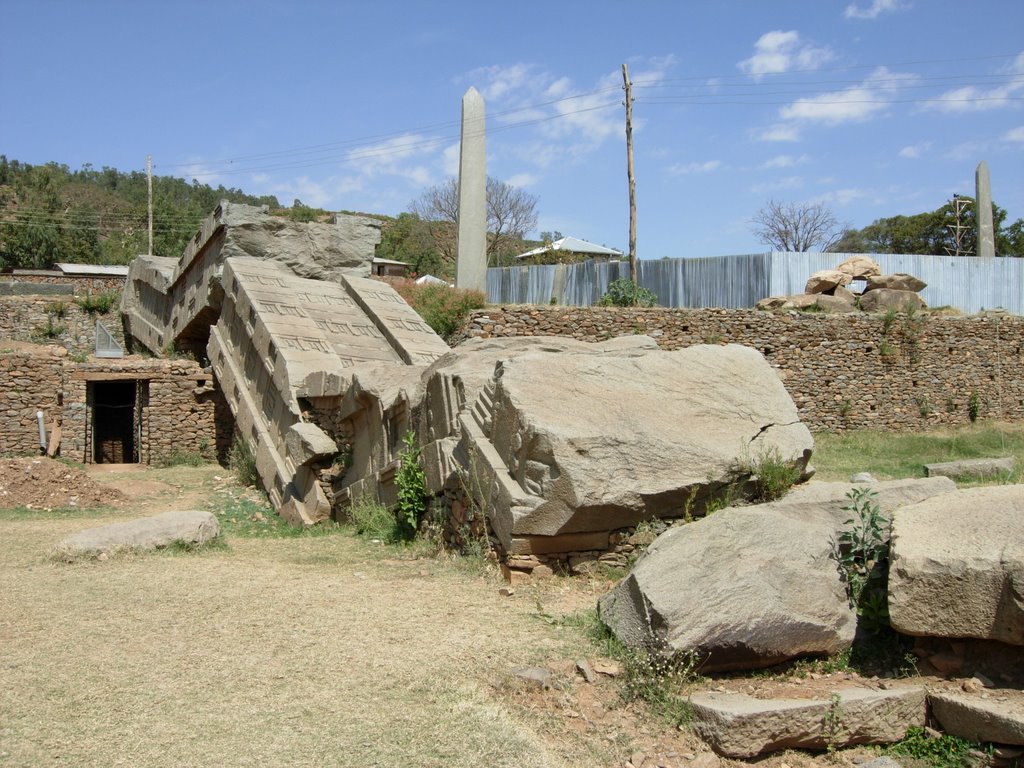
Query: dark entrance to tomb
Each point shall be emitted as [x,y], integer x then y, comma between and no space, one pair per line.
[115,422]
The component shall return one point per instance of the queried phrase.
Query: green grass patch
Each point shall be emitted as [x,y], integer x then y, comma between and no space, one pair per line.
[890,456]
[943,751]
[27,513]
[256,519]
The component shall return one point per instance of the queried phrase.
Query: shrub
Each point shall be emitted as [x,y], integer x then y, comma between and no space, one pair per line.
[862,552]
[772,475]
[373,520]
[624,293]
[412,488]
[442,307]
[99,303]
[242,462]
[973,407]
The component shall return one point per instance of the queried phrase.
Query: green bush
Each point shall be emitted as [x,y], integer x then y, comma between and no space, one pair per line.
[442,307]
[772,475]
[412,488]
[623,293]
[99,303]
[242,462]
[373,520]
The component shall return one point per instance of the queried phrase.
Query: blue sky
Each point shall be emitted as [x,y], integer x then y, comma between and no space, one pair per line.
[874,107]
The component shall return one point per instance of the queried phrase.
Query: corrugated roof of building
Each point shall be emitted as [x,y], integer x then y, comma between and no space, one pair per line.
[574,245]
[93,270]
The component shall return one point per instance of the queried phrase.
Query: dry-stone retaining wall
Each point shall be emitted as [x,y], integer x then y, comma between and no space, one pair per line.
[851,371]
[80,284]
[30,380]
[56,320]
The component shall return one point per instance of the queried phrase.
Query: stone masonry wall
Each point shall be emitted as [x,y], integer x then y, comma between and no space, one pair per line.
[843,371]
[30,380]
[55,320]
[182,410]
[81,285]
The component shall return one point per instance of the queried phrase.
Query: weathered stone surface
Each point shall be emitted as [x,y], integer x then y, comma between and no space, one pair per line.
[860,267]
[887,298]
[899,281]
[307,443]
[190,527]
[782,599]
[821,302]
[978,719]
[826,280]
[737,725]
[771,303]
[983,196]
[972,469]
[308,249]
[693,416]
[957,566]
[471,262]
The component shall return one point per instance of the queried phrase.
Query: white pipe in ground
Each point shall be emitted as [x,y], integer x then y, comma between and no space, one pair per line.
[42,431]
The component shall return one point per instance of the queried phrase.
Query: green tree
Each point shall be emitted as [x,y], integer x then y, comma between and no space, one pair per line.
[931,233]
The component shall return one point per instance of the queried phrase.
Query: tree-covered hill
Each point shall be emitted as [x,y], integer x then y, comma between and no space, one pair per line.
[49,213]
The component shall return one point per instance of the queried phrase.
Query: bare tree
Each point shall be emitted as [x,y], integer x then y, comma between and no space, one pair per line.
[796,226]
[511,213]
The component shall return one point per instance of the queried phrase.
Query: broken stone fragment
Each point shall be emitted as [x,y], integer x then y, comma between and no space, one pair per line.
[307,443]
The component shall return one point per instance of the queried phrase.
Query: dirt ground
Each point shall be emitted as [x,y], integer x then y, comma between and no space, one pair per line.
[317,650]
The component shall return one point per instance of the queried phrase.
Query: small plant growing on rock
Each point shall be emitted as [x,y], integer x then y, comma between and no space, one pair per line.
[862,552]
[772,475]
[243,463]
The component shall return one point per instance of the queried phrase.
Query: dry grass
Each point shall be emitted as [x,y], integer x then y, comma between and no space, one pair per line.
[272,651]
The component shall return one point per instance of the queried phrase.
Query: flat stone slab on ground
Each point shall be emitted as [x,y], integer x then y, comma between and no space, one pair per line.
[972,469]
[191,527]
[977,719]
[737,725]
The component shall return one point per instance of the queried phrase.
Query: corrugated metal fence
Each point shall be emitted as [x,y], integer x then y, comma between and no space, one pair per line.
[969,284]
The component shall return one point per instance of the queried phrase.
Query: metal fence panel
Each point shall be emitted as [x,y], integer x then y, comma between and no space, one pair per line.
[968,283]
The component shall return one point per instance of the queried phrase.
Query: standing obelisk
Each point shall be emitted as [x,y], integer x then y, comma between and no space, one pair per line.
[983,211]
[471,259]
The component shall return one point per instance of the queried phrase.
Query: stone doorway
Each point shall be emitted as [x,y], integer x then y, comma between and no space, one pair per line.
[116,420]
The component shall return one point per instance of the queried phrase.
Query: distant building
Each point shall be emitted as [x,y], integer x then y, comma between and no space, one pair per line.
[567,250]
[389,267]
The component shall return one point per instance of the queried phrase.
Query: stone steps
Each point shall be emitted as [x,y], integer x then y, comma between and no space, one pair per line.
[740,726]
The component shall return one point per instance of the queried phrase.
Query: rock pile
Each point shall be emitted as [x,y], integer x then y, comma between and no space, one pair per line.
[856,284]
[749,587]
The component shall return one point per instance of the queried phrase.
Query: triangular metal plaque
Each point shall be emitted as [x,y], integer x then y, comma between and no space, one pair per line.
[106,345]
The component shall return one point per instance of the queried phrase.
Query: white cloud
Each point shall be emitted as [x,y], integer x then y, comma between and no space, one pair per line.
[400,156]
[522,180]
[1017,134]
[842,197]
[450,159]
[684,169]
[572,120]
[784,161]
[873,11]
[858,103]
[914,151]
[786,182]
[779,132]
[777,52]
[971,98]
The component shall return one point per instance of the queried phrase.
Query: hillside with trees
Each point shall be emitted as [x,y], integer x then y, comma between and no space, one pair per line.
[49,213]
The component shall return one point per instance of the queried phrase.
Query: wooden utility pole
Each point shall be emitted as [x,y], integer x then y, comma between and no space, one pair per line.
[628,86]
[149,187]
